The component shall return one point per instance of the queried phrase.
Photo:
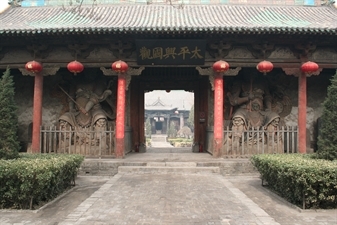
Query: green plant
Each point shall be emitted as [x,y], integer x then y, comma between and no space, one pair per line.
[190,120]
[9,144]
[327,139]
[35,178]
[301,179]
[172,132]
[148,128]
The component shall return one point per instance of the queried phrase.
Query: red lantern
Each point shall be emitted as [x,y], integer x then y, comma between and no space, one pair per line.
[265,67]
[33,66]
[75,67]
[220,66]
[309,67]
[119,66]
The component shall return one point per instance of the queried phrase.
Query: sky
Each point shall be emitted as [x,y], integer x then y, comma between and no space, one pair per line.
[3,5]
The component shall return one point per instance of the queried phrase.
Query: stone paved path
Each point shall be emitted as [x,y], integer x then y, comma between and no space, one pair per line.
[169,199]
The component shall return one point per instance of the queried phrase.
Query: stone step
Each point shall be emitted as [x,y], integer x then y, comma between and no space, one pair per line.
[109,167]
[158,139]
[172,164]
[167,170]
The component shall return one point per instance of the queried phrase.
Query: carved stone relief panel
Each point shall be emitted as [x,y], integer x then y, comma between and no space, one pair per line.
[282,53]
[61,52]
[16,55]
[324,54]
[101,53]
[240,52]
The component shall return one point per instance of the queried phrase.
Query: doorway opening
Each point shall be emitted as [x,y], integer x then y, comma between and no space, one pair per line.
[169,120]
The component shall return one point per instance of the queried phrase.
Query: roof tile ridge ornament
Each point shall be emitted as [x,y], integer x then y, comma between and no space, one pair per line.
[46,71]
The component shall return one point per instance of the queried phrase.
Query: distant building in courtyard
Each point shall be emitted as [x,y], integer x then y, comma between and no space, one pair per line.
[164,108]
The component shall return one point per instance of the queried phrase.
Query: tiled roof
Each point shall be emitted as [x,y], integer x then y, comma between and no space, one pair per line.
[240,19]
[174,100]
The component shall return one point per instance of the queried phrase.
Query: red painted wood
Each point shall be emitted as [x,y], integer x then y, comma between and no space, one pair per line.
[218,115]
[302,112]
[37,113]
[120,116]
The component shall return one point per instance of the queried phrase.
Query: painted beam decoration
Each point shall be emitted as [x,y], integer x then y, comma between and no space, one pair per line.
[170,52]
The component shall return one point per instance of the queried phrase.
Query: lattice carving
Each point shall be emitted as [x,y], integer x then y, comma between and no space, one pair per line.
[108,72]
[45,71]
[211,81]
[39,50]
[261,51]
[204,72]
[303,51]
[131,71]
[219,49]
[80,51]
[232,72]
[209,71]
[297,72]
[122,49]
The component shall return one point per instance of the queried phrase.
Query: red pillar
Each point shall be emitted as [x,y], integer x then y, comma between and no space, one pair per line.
[302,112]
[120,116]
[37,112]
[218,114]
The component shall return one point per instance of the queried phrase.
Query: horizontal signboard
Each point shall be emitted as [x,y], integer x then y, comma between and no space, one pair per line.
[170,52]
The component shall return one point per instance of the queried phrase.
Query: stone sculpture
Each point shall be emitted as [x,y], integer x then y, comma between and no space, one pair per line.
[86,122]
[252,103]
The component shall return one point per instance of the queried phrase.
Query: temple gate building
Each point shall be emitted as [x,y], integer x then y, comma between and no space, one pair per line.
[211,49]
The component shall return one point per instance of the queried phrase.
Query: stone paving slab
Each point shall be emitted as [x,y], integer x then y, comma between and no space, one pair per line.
[282,211]
[169,199]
